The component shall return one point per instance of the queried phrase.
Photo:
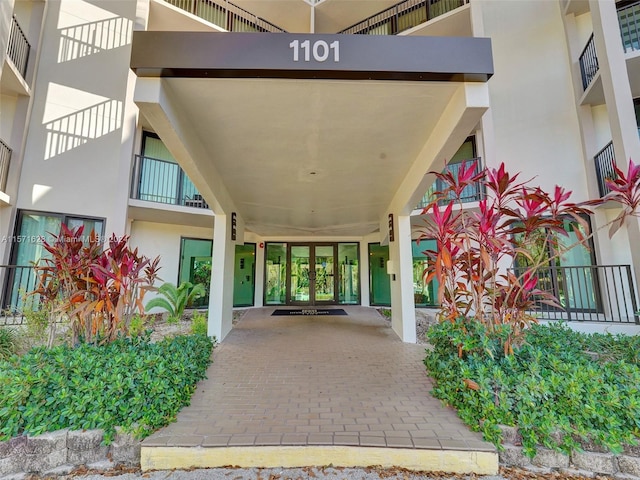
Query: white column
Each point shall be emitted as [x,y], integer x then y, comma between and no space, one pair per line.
[403,313]
[221,296]
[365,287]
[619,101]
[258,298]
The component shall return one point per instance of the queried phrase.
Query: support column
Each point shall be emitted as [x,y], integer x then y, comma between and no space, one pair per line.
[619,102]
[221,295]
[258,295]
[365,274]
[403,312]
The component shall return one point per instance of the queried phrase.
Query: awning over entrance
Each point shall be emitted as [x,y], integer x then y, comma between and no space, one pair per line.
[326,144]
[311,137]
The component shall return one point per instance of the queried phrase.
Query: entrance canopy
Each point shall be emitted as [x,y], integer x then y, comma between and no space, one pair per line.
[310,135]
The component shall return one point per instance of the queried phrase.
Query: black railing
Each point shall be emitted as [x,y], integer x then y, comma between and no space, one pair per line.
[588,63]
[5,159]
[629,21]
[15,282]
[403,16]
[471,193]
[18,48]
[604,160]
[590,293]
[161,181]
[226,15]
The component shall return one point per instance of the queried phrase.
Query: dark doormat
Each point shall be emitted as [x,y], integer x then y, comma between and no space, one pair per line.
[310,311]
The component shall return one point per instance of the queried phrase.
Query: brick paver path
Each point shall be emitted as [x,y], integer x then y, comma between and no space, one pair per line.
[317,380]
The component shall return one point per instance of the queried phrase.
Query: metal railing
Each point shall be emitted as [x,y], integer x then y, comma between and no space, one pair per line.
[18,48]
[629,21]
[403,16]
[588,62]
[589,293]
[161,181]
[15,282]
[226,15]
[5,159]
[604,160]
[472,193]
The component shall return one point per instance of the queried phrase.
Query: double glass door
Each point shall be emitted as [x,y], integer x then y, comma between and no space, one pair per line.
[312,274]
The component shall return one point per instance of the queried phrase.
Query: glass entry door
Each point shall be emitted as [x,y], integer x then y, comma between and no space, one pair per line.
[312,279]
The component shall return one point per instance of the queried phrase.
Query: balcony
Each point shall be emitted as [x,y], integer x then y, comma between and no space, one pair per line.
[472,193]
[588,293]
[5,159]
[403,16]
[14,73]
[629,21]
[588,62]
[161,181]
[226,15]
[18,48]
[604,161]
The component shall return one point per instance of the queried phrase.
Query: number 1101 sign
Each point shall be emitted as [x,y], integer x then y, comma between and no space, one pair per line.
[319,50]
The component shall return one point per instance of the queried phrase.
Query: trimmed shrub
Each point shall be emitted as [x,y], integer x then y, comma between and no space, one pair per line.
[130,383]
[552,388]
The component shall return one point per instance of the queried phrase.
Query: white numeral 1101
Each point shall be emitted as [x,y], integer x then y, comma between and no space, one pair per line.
[320,50]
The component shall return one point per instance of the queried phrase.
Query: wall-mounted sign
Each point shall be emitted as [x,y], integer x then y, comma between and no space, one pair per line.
[391,231]
[234,228]
[320,56]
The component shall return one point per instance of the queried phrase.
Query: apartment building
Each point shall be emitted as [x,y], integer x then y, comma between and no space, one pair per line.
[280,148]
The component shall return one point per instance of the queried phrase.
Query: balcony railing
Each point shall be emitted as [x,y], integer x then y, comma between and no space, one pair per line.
[604,160]
[472,193]
[226,15]
[5,159]
[15,282]
[402,16]
[588,63]
[18,48]
[629,21]
[161,181]
[590,293]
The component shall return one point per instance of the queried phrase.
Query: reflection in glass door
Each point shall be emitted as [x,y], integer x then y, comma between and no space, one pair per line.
[300,289]
[312,275]
[324,284]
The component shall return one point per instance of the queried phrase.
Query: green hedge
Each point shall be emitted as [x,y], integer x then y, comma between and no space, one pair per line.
[131,383]
[552,384]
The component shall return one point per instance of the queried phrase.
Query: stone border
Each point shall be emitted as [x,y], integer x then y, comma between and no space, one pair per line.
[62,451]
[593,460]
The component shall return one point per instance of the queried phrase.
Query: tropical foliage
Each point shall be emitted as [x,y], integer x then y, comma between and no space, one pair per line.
[175,299]
[97,290]
[131,383]
[562,389]
[474,246]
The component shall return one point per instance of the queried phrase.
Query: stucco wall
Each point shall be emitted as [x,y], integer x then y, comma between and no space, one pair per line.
[153,239]
[80,140]
[532,99]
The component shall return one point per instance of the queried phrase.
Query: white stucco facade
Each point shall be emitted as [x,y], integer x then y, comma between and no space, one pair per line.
[299,162]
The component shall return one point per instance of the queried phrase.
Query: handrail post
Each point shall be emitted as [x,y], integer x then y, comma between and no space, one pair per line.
[632,293]
[135,177]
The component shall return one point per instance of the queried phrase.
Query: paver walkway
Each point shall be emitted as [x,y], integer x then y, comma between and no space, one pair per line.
[317,380]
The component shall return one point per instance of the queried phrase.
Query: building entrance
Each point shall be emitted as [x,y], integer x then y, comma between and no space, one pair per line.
[312,274]
[304,273]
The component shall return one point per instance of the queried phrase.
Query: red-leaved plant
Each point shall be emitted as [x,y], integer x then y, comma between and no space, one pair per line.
[97,290]
[475,245]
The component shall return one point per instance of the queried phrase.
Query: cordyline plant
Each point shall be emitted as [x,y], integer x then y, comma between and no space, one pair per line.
[473,247]
[97,290]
